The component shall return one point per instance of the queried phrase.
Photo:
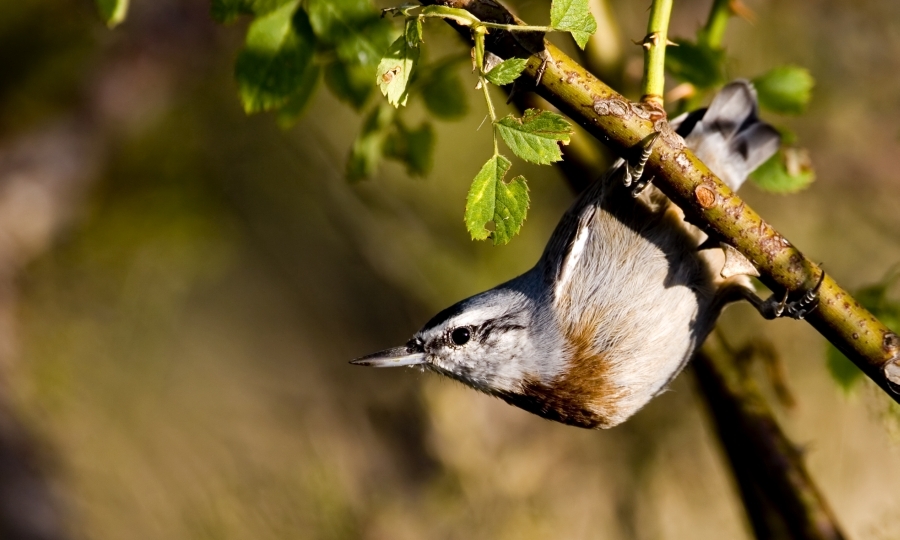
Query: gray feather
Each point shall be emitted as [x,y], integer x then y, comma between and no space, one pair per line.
[729,136]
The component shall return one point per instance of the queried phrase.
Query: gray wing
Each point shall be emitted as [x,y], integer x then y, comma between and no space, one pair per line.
[728,136]
[574,228]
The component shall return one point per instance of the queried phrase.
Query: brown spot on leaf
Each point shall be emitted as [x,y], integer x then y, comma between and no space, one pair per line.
[389,74]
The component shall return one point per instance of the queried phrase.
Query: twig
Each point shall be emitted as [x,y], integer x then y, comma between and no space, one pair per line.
[653,84]
[713,31]
[781,501]
[703,197]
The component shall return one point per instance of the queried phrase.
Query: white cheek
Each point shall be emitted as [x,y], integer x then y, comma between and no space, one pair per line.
[506,369]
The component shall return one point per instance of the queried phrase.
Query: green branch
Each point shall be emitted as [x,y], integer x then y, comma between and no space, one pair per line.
[520,28]
[707,201]
[713,31]
[654,81]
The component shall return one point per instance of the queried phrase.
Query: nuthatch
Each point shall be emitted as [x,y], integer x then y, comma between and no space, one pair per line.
[622,296]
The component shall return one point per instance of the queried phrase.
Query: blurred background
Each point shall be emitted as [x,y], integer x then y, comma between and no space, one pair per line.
[181,287]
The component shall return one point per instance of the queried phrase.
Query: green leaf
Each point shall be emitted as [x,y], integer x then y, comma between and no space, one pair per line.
[351,83]
[492,199]
[353,27]
[368,148]
[366,44]
[510,210]
[535,136]
[395,69]
[333,20]
[573,16]
[443,90]
[412,147]
[699,65]
[112,11]
[842,370]
[225,11]
[874,298]
[358,36]
[275,60]
[788,137]
[506,71]
[420,150]
[413,32]
[785,90]
[297,104]
[788,171]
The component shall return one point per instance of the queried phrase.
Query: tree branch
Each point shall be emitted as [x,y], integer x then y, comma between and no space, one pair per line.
[707,201]
[781,500]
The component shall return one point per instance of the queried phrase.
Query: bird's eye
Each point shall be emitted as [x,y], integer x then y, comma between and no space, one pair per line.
[461,336]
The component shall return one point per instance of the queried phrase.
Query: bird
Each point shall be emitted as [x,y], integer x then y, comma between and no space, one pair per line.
[624,293]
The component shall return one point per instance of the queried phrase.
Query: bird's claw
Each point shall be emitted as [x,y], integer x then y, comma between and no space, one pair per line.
[796,309]
[634,166]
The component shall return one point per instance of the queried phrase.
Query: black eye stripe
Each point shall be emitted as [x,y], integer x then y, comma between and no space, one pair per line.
[489,327]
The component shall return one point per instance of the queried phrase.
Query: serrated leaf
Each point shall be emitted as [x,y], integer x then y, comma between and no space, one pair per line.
[510,210]
[395,70]
[699,65]
[573,16]
[788,171]
[414,147]
[275,59]
[506,71]
[785,90]
[368,148]
[297,104]
[482,197]
[112,11]
[443,90]
[536,136]
[225,11]
[413,32]
[492,199]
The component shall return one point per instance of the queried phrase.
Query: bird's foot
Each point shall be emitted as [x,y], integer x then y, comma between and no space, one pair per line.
[774,308]
[634,165]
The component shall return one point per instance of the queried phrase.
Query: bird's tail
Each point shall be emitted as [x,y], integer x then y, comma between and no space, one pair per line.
[728,136]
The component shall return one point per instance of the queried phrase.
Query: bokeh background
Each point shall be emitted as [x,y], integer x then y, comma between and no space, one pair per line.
[181,287]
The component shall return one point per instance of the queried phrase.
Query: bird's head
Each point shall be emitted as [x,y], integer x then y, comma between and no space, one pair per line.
[489,342]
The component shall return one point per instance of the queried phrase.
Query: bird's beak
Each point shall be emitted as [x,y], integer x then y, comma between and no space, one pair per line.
[396,357]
